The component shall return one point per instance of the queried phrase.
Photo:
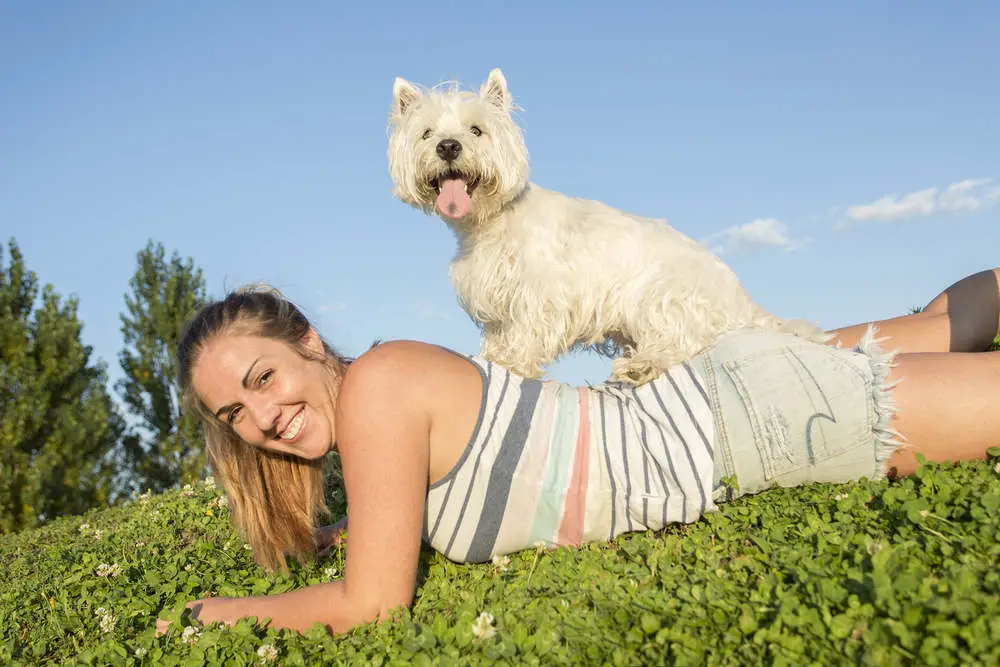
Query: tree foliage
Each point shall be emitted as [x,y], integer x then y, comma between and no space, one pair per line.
[58,425]
[165,445]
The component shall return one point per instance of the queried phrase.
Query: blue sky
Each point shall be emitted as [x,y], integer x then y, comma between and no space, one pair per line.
[837,153]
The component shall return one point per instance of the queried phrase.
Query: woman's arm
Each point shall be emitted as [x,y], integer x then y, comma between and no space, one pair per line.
[383,424]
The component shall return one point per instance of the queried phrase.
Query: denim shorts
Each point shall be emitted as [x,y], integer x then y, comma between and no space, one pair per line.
[790,412]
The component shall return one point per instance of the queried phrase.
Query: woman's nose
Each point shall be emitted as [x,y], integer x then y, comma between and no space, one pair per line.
[265,415]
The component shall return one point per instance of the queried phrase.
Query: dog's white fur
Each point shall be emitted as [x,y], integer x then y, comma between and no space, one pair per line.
[542,273]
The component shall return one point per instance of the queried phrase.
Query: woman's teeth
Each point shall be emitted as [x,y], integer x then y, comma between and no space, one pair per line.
[294,426]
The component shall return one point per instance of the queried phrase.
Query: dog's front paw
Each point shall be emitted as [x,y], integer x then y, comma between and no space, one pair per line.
[634,371]
[529,372]
[525,370]
[517,359]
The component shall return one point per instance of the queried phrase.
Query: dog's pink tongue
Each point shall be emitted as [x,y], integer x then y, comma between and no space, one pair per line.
[454,201]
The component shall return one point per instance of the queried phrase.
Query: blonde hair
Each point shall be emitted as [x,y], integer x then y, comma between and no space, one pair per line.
[275,498]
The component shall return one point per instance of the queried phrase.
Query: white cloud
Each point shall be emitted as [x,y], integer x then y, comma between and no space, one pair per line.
[965,196]
[962,197]
[762,232]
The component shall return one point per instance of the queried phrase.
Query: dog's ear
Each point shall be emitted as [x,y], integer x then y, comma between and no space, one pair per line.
[495,91]
[404,94]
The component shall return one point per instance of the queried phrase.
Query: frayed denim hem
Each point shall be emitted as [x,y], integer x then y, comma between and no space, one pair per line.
[887,439]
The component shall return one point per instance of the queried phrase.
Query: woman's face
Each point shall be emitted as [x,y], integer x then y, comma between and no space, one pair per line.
[271,395]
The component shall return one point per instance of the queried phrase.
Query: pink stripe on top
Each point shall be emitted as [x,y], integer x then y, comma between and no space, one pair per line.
[571,530]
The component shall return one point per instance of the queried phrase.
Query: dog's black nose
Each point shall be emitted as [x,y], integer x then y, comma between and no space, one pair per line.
[449,149]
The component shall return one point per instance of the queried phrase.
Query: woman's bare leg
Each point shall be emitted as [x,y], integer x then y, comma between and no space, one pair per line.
[945,407]
[963,318]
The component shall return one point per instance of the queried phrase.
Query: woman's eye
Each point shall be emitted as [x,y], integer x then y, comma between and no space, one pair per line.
[427,134]
[265,377]
[233,414]
[475,130]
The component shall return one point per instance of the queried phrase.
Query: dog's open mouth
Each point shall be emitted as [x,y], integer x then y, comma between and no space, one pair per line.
[454,193]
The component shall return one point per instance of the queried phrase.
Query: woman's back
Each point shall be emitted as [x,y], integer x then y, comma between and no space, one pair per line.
[557,464]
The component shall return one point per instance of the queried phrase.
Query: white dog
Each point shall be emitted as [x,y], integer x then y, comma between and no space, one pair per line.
[542,273]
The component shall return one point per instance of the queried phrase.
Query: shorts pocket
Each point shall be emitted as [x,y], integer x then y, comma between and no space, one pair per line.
[804,404]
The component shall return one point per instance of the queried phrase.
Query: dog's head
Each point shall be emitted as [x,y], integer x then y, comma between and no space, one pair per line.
[457,153]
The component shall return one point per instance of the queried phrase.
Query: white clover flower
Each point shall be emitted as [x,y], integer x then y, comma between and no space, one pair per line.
[501,562]
[188,567]
[840,496]
[330,572]
[140,544]
[210,482]
[219,501]
[247,547]
[996,468]
[98,534]
[187,490]
[108,623]
[105,570]
[140,652]
[190,635]
[84,527]
[144,497]
[105,619]
[267,653]
[482,627]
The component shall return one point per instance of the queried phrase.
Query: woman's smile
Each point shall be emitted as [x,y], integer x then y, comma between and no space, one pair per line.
[294,428]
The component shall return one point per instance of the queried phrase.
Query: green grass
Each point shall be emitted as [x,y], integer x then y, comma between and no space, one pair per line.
[880,573]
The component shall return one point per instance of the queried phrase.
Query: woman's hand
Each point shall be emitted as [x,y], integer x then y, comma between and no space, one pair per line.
[330,536]
[209,610]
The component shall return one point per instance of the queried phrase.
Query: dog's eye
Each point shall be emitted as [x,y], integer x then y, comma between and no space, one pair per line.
[475,130]
[427,134]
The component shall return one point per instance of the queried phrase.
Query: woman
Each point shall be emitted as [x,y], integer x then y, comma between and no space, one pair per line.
[476,461]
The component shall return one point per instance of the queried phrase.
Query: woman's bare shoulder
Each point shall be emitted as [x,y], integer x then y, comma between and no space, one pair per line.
[408,369]
[403,355]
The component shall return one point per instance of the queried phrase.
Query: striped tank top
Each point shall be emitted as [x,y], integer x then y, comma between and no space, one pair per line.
[562,465]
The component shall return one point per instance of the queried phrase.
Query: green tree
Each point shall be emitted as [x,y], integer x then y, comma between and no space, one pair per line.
[165,445]
[58,424]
